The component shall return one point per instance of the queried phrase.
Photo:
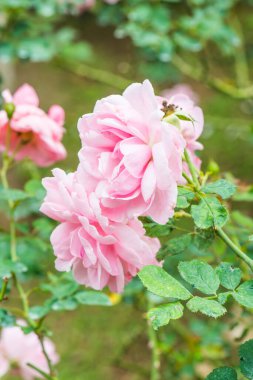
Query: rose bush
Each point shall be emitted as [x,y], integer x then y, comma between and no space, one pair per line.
[138,182]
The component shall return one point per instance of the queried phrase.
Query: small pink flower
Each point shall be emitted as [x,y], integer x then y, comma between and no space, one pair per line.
[19,349]
[181,89]
[132,156]
[100,252]
[191,131]
[34,133]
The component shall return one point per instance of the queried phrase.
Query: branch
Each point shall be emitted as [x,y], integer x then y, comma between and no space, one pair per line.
[89,72]
[215,83]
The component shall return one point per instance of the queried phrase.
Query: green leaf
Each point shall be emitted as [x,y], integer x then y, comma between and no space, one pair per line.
[246,359]
[13,195]
[154,229]
[209,213]
[35,189]
[200,275]
[161,315]
[244,294]
[221,187]
[8,267]
[162,284]
[175,246]
[69,303]
[61,289]
[223,297]
[182,202]
[223,373]
[185,192]
[37,312]
[210,308]
[6,319]
[91,297]
[229,276]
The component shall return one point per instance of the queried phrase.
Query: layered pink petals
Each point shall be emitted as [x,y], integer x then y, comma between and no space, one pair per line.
[20,348]
[99,251]
[34,133]
[132,154]
[130,166]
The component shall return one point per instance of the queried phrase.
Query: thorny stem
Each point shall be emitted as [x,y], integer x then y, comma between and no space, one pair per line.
[220,232]
[14,257]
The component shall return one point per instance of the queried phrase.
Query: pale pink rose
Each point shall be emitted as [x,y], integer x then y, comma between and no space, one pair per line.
[34,133]
[179,89]
[132,156]
[19,349]
[191,130]
[99,252]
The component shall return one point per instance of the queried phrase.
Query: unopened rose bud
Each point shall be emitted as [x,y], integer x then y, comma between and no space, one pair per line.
[213,167]
[9,108]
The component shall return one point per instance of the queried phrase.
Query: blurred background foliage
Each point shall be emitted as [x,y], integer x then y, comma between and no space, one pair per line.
[74,54]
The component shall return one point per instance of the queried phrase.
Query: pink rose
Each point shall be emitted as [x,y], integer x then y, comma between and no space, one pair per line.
[34,133]
[131,155]
[179,89]
[191,131]
[100,252]
[19,348]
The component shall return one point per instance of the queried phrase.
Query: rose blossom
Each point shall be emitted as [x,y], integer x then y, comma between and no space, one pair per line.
[18,348]
[34,133]
[100,252]
[179,89]
[191,130]
[132,155]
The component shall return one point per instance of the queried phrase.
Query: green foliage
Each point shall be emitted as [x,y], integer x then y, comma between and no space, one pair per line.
[92,297]
[200,275]
[156,230]
[244,294]
[229,276]
[223,373]
[185,196]
[174,246]
[203,278]
[205,306]
[161,315]
[246,359]
[209,213]
[36,31]
[221,187]
[14,195]
[246,365]
[162,284]
[8,267]
[66,296]
[6,319]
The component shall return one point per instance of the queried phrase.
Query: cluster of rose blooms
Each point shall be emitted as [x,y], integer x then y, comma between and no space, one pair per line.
[131,162]
[130,165]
